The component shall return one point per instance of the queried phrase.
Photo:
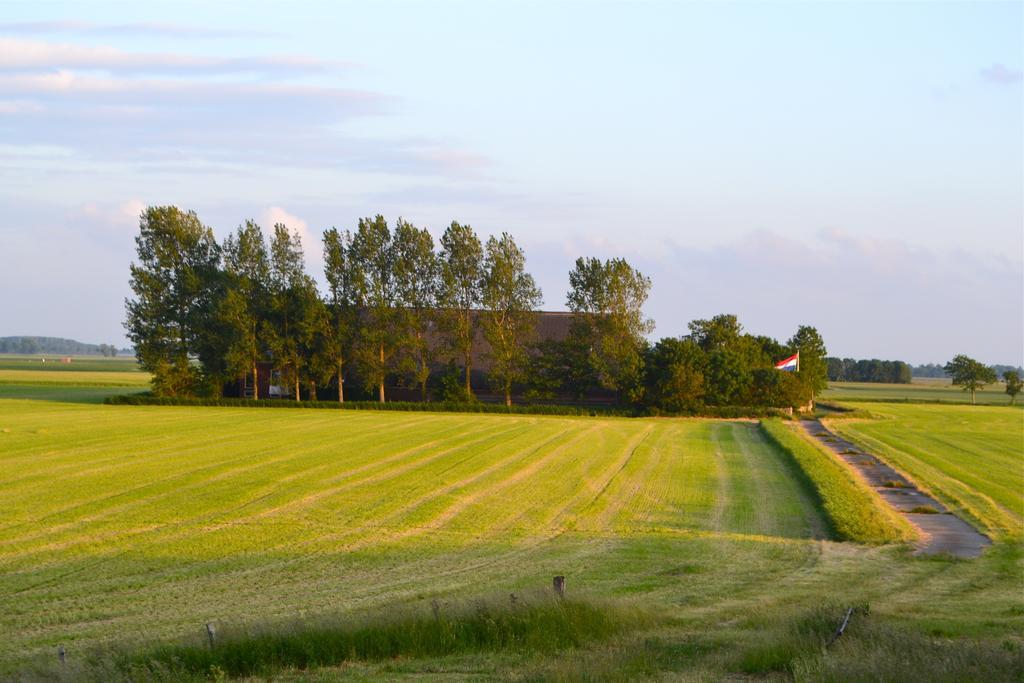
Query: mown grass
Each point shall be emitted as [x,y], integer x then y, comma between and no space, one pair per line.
[856,512]
[78,363]
[918,392]
[84,378]
[130,527]
[970,457]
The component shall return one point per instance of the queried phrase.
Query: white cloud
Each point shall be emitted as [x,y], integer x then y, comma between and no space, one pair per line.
[21,54]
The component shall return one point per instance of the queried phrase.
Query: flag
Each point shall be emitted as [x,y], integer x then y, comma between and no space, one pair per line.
[791,364]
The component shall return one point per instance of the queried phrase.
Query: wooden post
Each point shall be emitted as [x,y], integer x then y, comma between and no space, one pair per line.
[210,633]
[61,655]
[559,584]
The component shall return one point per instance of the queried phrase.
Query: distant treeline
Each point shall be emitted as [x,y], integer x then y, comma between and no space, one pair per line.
[874,370]
[55,345]
[399,312]
[934,370]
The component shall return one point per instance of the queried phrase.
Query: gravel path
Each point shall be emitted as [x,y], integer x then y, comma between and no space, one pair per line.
[942,533]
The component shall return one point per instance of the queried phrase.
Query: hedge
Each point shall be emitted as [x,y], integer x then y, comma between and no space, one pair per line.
[725,412]
[855,511]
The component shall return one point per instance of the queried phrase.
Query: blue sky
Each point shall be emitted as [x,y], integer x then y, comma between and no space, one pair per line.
[854,166]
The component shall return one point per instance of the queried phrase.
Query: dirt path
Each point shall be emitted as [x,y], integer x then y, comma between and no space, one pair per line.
[942,533]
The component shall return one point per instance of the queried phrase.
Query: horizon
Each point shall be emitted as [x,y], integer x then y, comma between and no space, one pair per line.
[856,168]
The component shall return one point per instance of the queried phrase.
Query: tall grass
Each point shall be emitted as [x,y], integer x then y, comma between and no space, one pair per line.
[537,624]
[856,512]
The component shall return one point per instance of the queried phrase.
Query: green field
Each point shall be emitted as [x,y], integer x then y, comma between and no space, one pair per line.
[132,524]
[971,457]
[922,391]
[93,371]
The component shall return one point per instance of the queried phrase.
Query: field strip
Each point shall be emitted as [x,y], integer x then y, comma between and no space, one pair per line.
[461,503]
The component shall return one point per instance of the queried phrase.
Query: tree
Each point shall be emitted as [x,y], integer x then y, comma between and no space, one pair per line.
[1013,385]
[461,291]
[969,374]
[372,257]
[813,373]
[342,297]
[417,274]
[675,375]
[175,283]
[769,387]
[291,294]
[510,298]
[720,332]
[728,377]
[607,299]
[243,308]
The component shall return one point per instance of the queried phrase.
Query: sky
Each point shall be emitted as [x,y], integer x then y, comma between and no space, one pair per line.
[858,167]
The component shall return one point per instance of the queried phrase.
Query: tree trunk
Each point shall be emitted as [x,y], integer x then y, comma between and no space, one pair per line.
[972,397]
[298,397]
[341,386]
[469,389]
[255,382]
[312,391]
[508,394]
[381,388]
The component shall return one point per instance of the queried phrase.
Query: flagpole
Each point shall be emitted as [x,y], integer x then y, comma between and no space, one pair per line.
[798,361]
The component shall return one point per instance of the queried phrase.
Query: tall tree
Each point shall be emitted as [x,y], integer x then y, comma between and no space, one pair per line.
[175,282]
[969,374]
[510,298]
[607,298]
[291,292]
[813,373]
[372,257]
[342,311]
[243,308]
[461,291]
[1013,384]
[417,275]
[675,375]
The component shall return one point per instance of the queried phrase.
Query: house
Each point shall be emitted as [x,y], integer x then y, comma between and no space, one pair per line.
[551,326]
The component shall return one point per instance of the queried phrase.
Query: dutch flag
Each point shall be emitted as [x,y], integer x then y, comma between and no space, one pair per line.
[791,364]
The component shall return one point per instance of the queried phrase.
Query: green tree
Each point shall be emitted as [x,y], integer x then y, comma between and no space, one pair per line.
[1013,385]
[291,292]
[342,298]
[728,377]
[769,387]
[969,374]
[607,299]
[175,283]
[813,373]
[461,292]
[243,308]
[718,333]
[510,298]
[675,375]
[372,257]
[417,275]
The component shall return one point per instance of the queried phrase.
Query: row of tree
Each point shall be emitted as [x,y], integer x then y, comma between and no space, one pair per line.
[874,370]
[54,345]
[397,308]
[972,375]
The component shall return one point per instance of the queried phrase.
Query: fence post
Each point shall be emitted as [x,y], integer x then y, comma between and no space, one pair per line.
[559,585]
[210,633]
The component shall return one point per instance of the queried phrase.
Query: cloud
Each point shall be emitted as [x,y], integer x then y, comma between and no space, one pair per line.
[162,109]
[36,55]
[1001,75]
[117,217]
[130,29]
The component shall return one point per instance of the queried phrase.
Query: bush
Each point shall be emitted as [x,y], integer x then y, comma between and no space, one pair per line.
[723,412]
[856,512]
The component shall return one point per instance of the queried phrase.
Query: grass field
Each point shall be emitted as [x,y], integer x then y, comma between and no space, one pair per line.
[87,371]
[922,391]
[125,524]
[971,457]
